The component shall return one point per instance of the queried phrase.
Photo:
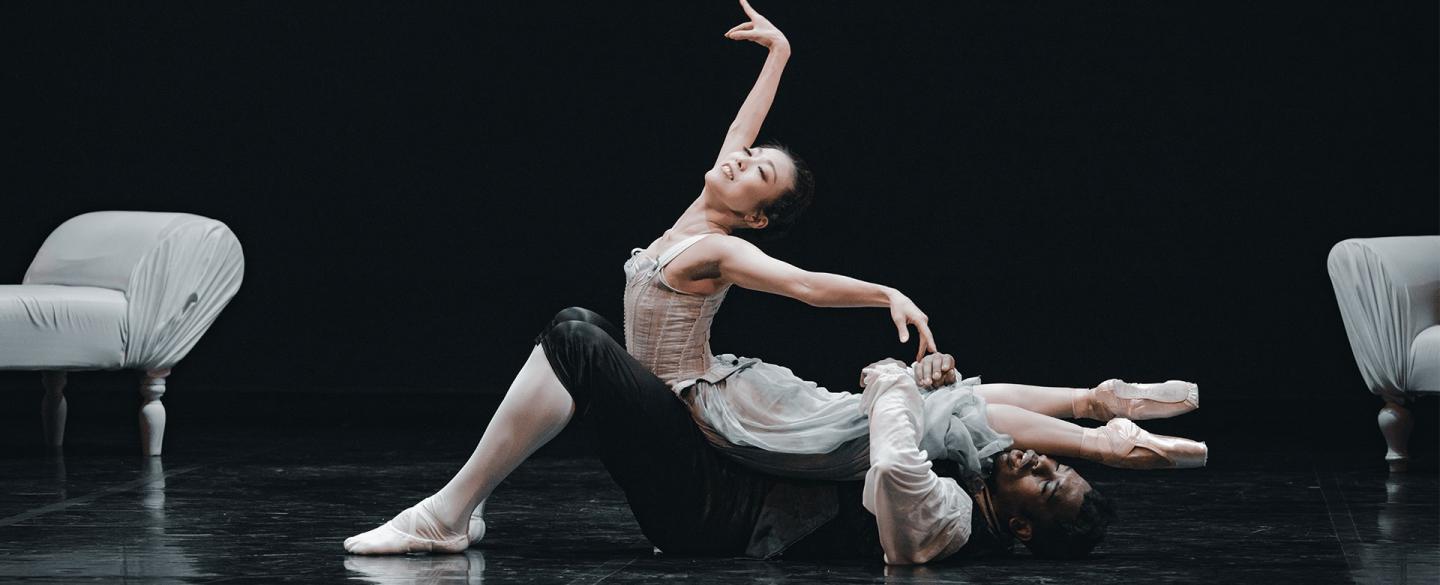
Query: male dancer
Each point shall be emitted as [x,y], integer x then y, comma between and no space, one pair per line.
[689,499]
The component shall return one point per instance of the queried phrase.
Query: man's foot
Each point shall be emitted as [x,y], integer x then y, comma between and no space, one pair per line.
[415,530]
[1118,398]
[477,523]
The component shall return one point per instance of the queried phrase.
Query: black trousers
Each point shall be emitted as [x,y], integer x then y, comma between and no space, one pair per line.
[687,497]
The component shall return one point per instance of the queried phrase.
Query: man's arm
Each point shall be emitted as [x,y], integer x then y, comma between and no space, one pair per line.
[922,517]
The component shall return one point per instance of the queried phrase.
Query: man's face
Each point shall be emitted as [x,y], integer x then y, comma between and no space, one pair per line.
[1032,489]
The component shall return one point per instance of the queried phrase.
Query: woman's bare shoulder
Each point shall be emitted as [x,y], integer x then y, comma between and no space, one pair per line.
[718,247]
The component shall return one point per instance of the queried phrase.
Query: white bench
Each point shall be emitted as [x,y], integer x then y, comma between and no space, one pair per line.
[118,290]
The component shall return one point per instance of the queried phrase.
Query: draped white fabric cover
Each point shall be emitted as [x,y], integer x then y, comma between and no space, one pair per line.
[1389,295]
[52,327]
[177,271]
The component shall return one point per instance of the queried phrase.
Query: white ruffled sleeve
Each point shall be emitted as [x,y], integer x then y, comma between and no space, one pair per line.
[922,517]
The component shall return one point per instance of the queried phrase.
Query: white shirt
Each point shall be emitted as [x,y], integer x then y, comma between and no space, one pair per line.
[922,517]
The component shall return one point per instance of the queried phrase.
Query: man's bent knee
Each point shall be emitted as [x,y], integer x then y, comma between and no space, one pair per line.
[573,314]
[584,315]
[572,336]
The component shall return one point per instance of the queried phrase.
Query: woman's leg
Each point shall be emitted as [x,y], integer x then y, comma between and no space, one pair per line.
[1112,398]
[1046,400]
[1118,444]
[1032,430]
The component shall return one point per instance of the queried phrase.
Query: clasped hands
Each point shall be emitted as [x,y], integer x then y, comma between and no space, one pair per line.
[932,371]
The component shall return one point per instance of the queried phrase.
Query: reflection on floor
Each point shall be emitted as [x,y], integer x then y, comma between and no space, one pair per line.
[235,505]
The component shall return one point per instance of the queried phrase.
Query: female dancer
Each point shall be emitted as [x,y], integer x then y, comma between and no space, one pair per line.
[759,413]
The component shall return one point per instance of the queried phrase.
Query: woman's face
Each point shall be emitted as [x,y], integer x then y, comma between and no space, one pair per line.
[748,179]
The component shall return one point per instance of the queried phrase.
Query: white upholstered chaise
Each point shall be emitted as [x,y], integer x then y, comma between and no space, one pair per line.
[1389,295]
[118,290]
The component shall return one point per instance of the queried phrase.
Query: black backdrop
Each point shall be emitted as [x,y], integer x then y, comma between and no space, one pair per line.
[1072,191]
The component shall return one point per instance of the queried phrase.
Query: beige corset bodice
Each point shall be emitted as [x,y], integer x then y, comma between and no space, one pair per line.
[667,330]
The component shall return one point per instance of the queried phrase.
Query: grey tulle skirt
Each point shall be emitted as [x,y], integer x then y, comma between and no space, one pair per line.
[771,420]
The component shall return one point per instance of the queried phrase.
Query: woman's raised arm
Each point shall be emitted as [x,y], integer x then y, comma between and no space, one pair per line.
[752,113]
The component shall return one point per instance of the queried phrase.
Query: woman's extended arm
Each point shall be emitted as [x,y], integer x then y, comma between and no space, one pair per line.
[752,113]
[743,264]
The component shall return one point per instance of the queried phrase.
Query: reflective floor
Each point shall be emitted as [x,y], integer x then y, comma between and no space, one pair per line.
[234,503]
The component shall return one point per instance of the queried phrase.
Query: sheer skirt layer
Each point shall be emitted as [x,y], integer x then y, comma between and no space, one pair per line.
[772,420]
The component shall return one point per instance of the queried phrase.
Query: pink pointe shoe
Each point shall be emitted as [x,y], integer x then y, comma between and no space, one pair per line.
[1121,443]
[1118,398]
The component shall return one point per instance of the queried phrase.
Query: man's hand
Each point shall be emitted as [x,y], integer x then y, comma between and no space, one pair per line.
[935,370]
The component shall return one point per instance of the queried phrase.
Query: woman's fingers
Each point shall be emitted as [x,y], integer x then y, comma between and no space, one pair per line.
[900,328]
[750,35]
[741,26]
[750,11]
[927,340]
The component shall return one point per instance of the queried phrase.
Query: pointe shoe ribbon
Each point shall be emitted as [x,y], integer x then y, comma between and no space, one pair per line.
[1122,443]
[1118,398]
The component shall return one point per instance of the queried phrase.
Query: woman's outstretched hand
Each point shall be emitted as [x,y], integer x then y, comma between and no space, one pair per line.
[758,30]
[904,312]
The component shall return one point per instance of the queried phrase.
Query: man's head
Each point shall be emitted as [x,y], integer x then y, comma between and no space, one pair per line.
[1048,506]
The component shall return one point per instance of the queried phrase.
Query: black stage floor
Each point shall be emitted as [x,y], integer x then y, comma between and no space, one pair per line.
[240,499]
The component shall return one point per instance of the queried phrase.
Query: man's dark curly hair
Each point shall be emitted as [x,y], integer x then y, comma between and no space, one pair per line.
[786,209]
[1075,537]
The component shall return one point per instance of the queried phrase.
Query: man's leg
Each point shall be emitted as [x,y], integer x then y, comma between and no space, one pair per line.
[686,497]
[534,410]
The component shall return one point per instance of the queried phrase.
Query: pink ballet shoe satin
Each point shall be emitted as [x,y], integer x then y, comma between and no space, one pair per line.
[1121,443]
[1118,398]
